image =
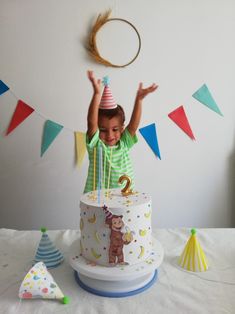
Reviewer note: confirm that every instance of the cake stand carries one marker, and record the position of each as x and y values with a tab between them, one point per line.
118	281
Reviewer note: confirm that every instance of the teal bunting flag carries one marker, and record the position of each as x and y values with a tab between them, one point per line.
204	96
51	130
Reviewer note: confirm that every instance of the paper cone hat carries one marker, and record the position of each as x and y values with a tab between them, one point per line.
108	214
107	100
193	257
38	283
47	252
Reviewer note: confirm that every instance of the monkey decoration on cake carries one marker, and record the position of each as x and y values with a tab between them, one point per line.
118	238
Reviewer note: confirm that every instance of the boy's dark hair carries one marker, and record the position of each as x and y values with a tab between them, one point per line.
110	113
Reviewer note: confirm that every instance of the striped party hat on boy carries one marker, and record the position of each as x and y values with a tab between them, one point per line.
47	252
193	257
107	100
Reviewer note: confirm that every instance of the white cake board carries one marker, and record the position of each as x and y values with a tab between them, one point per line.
118	281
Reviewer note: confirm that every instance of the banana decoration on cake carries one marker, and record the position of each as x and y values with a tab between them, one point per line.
141	251
81	247
97	237
128	235
142	233
92	220
81	224
147	215
96	255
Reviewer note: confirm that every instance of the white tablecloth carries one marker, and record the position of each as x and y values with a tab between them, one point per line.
176	291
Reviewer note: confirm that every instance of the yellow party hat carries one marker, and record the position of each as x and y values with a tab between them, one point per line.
193	257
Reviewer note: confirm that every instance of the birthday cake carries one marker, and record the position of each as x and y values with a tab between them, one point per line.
115	229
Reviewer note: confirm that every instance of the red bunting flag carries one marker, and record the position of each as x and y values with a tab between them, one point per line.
180	118
22	111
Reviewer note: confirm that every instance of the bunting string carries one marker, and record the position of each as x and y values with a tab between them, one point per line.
149	132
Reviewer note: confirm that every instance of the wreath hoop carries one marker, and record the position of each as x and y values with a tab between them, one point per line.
92	45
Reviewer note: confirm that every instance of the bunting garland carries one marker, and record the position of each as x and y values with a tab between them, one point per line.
149	132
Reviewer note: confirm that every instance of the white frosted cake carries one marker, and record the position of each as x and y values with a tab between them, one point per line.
115	229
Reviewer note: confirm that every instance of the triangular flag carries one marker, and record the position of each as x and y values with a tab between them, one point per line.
204	96
80	142
180	118
193	258
39	283
47	252
22	111
3	87
149	133
51	130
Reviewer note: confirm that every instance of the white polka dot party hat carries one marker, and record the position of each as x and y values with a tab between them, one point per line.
39	283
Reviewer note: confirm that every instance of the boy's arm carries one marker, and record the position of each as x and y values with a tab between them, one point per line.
137	110
92	116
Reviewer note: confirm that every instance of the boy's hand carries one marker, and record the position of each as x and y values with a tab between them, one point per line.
95	83
142	92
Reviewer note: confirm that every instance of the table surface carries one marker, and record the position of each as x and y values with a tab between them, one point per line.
176	290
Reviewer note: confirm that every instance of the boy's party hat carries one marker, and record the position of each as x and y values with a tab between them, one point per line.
193	257
107	100
38	283
47	252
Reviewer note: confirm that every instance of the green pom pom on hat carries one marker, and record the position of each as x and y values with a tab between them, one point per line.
193	231
65	300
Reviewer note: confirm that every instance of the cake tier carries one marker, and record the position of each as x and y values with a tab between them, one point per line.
115	229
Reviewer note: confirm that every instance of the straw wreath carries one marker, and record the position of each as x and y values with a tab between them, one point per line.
92	46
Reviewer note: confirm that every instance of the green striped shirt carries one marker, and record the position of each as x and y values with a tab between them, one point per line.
114	163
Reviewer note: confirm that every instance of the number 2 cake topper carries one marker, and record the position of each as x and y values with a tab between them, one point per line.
92	47
126	190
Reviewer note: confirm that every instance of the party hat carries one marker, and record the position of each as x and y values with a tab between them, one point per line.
193	257
108	214
47	252
39	283
107	100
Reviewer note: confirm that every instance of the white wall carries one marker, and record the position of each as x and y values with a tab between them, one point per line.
185	43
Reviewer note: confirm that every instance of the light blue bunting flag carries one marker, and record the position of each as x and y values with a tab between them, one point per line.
204	96
3	87
149	133
51	130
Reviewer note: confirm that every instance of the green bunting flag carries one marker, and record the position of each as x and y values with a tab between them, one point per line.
204	96
51	130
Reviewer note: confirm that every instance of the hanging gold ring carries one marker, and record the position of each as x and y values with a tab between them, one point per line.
92	45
